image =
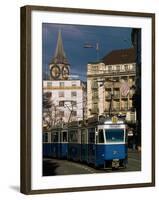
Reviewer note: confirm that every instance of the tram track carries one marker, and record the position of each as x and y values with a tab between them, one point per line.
65	167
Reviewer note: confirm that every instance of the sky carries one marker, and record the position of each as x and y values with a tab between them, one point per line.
74	39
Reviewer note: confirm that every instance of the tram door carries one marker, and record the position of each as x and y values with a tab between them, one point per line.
91	145
55	142
63	144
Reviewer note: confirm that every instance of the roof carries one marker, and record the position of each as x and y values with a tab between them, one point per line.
60	55
121	56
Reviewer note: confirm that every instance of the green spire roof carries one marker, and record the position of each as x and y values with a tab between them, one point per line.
59	56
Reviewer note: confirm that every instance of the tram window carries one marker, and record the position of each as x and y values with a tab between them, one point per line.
100	136
114	135
73	136
84	136
64	136
54	137
45	137
91	135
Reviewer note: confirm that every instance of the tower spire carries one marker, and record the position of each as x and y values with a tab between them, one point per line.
60	55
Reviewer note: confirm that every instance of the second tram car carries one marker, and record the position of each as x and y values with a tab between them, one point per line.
55	143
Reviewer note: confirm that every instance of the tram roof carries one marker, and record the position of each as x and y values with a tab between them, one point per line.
105	120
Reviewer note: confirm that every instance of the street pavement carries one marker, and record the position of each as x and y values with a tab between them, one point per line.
53	167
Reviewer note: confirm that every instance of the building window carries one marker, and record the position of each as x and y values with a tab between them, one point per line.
73	94
124	105
74	103
118	68
116	93
126	67
61	94
49	83
116	105
95	68
133	67
73	83
61	103
130	104
94	84
124	79
61	84
95	109
74	113
61	113
95	95
110	68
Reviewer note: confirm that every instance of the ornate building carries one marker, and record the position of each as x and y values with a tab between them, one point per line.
67	95
110	84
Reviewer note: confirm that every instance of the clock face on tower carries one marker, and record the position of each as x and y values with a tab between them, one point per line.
65	72
55	71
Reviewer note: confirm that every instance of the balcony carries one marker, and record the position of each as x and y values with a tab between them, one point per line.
94	110
115	72
112	85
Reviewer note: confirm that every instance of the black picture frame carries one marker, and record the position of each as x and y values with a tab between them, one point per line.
26	105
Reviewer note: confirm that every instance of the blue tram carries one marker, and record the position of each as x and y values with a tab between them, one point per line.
101	142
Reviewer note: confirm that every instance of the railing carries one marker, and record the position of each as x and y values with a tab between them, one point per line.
110	72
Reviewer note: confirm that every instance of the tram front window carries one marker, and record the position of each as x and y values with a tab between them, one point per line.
100	136
114	135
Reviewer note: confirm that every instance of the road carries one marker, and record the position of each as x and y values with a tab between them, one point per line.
63	167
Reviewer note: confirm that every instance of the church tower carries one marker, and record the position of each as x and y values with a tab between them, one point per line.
59	66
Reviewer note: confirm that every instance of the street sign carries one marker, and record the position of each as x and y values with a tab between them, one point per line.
125	89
